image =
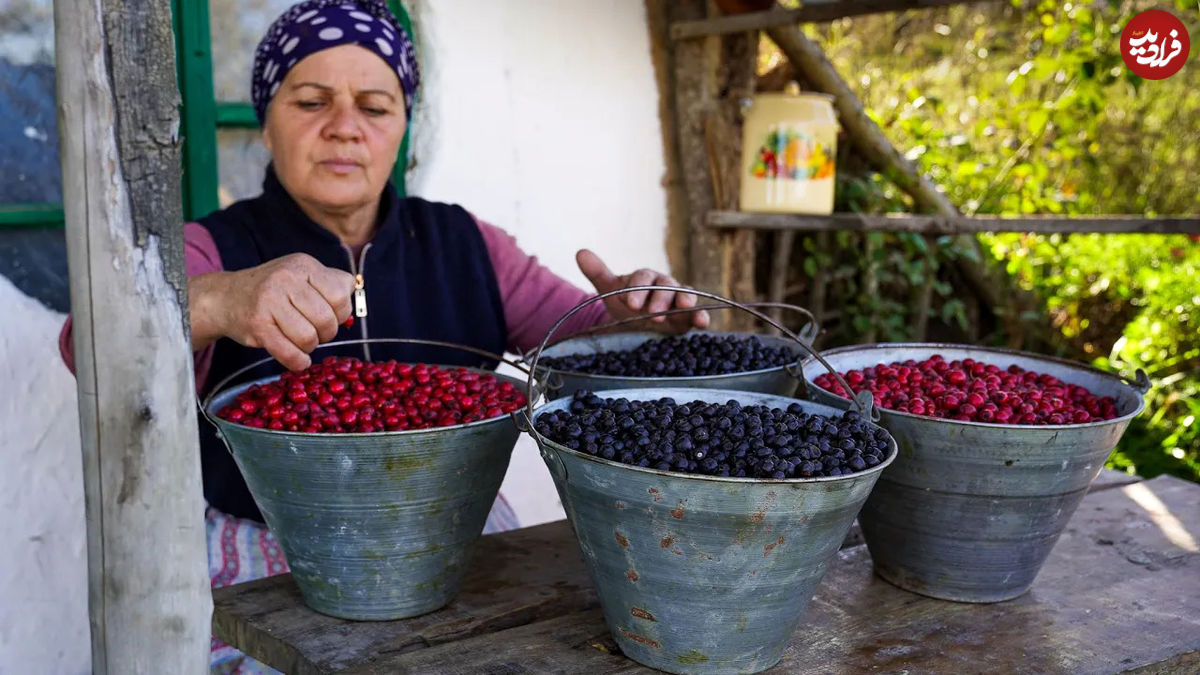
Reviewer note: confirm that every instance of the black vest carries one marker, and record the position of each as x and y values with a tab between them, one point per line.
426	275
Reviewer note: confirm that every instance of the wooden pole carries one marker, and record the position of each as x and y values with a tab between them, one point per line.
709	76
149	598
695	66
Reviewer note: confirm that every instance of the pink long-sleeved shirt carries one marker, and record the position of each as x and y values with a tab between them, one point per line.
533	297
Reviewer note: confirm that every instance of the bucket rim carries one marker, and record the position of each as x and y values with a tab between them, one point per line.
683	379
211	413
654	394
1120	419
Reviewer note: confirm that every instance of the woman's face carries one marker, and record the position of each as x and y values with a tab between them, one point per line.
334	128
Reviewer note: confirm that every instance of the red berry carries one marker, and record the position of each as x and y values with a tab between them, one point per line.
970	390
340	395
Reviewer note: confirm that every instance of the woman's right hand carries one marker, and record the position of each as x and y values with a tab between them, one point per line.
287	306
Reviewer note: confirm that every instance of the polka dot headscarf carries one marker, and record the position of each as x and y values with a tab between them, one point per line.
314	25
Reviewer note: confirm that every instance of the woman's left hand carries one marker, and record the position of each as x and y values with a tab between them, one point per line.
638	303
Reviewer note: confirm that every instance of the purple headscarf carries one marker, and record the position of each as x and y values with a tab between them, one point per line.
313	25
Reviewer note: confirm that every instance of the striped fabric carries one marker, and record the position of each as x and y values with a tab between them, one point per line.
243	550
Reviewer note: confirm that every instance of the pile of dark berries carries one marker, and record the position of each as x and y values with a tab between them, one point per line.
679	356
346	395
716	439
971	391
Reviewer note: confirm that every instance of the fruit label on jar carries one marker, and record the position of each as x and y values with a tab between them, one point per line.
790	153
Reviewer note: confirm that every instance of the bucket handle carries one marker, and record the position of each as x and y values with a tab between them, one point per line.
1140	382
863	400
531	391
808	333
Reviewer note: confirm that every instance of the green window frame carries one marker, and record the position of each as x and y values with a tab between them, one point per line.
201	115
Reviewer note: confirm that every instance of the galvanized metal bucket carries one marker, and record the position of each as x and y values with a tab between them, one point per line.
702	574
970	511
374	526
782	380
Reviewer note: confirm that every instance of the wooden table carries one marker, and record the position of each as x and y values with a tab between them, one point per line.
1119	593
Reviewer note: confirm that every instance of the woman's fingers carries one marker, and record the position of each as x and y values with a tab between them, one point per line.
637	299
296	328
596	271
284	350
317	311
661	301
336	287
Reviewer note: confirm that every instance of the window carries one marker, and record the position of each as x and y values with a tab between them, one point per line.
31	188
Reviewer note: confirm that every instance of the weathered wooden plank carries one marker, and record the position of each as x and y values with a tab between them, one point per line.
574	643
1121	591
516	578
928	224
149	599
813	11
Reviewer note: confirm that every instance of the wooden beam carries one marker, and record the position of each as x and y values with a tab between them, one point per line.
148	586
663	58
696	87
935	225
813	11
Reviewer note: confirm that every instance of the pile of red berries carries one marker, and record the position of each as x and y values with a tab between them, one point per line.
347	395
971	391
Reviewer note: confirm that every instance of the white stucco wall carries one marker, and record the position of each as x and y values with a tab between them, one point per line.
43	552
540	117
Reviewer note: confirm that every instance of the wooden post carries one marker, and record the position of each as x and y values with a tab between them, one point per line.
695	64
662	55
149	598
705	88
738	78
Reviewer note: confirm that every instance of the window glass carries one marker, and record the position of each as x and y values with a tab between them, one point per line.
241	164
236	27
29	162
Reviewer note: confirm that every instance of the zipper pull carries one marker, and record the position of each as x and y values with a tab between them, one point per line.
360	296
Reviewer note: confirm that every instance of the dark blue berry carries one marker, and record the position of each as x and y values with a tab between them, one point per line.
717	439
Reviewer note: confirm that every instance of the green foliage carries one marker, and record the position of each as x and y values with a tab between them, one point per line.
1023	109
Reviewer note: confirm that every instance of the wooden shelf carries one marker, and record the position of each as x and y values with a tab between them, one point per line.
813	11
907	222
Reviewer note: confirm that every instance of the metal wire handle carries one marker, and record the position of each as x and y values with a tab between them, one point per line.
1141	382
809	332
865	403
530	393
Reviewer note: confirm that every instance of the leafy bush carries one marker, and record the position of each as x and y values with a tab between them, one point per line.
1028	108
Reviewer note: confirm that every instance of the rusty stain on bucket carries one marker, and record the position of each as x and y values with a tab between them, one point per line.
640	638
677	512
771	547
642	614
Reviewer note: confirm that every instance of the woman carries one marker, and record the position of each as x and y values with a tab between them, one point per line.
279	274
